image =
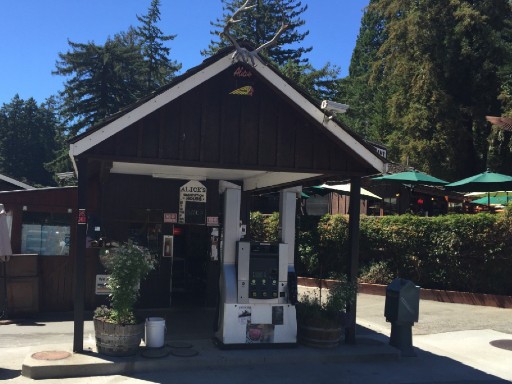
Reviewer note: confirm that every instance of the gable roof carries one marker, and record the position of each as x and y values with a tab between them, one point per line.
15	183
200	74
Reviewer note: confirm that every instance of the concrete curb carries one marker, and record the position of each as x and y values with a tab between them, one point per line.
93	364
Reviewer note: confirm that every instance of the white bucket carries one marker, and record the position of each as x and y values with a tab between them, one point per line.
155	332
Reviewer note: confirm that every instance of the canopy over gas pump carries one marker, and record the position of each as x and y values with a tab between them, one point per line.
258	285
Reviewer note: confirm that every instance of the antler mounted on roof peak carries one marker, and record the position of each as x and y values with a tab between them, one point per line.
242	53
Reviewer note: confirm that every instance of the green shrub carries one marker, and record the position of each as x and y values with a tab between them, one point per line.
376	273
257	226
264	228
127	264
333	245
453	252
328	310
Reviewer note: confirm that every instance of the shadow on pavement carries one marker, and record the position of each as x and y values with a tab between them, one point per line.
6	374
196	326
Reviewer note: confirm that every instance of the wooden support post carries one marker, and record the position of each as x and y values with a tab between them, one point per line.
79	270
353	260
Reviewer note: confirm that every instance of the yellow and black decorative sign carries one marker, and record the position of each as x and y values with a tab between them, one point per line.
247	90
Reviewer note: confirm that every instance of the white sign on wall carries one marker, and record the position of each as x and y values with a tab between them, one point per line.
101	285
192	208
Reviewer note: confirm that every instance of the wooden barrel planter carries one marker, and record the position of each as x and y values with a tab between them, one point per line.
319	337
118	340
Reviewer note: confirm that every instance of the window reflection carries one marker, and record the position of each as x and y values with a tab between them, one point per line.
46	234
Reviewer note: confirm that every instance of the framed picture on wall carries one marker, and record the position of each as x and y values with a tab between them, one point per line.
167	246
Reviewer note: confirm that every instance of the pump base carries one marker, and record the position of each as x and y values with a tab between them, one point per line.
219	344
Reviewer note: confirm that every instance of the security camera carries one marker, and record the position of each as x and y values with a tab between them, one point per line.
332	106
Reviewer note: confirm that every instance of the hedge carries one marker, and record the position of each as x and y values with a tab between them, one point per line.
470	253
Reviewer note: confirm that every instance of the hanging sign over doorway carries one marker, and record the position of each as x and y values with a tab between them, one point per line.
192	203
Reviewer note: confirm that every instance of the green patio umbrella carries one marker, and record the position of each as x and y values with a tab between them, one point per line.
411	177
507	195
492	200
315	190
483	182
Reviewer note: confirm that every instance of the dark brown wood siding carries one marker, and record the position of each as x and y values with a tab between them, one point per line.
222	124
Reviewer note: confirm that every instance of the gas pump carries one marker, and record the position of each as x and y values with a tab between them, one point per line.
258	285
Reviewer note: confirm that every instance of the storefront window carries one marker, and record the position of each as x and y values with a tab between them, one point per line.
47	234
390	205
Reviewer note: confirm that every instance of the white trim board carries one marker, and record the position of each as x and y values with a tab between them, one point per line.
15	182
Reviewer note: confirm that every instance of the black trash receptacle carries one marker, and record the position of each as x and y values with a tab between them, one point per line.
402	311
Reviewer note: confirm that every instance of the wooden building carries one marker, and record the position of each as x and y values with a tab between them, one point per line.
39	276
152	173
224	120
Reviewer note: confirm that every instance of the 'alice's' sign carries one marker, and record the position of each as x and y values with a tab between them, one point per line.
192	209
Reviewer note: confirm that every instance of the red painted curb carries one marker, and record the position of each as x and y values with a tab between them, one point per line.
488	300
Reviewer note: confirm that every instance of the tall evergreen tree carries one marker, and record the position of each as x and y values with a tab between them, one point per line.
28	135
101	80
436	75
500	141
320	83
259	25
158	67
60	162
367	114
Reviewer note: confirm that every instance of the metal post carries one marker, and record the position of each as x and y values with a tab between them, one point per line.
353	261
79	270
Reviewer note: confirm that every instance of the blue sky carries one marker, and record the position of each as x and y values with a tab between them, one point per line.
33	32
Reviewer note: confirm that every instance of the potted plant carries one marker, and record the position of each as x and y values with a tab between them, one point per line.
118	330
321	321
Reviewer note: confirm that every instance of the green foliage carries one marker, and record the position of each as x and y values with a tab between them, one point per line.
424	75
332	247
329	310
259	25
264	228
307	261
102	79
361	89
320	83
28	140
453	252
376	273
158	69
127	265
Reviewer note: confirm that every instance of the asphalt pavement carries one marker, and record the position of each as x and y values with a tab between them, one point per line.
453	343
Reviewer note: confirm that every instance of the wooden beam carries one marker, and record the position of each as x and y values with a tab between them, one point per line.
79	265
353	261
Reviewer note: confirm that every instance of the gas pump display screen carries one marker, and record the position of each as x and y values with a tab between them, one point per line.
263	272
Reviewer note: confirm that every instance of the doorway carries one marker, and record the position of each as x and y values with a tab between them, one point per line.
190	265
184	275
